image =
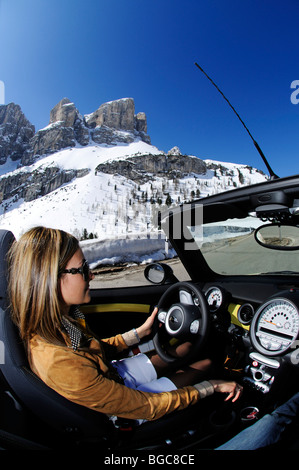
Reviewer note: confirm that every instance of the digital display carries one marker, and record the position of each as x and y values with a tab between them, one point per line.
275	333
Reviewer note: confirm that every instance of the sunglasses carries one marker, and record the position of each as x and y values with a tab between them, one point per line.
84	270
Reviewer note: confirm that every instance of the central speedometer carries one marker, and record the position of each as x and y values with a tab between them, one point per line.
275	326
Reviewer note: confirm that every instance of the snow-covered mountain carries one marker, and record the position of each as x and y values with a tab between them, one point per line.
110	205
109	191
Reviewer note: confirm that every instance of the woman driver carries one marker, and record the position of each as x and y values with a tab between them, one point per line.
48	279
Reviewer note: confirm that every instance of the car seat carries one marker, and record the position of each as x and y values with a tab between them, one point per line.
75	422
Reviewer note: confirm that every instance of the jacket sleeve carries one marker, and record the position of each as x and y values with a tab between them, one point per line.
122	341
77	378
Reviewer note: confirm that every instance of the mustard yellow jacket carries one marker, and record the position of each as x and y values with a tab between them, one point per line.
87	378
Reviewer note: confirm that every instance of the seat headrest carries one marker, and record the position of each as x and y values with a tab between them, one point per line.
6	240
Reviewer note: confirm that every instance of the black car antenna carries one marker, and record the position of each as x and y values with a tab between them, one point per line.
271	172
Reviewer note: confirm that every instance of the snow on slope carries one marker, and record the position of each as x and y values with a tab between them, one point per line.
112	207
88	202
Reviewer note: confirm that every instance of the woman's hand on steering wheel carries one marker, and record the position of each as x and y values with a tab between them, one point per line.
146	328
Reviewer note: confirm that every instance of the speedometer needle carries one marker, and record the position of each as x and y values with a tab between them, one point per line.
278	325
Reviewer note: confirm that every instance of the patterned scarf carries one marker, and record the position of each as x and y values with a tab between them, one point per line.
75	334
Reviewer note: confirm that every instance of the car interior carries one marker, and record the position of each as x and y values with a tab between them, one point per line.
240	307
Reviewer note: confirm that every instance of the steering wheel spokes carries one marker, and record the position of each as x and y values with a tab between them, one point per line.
184	320
180	320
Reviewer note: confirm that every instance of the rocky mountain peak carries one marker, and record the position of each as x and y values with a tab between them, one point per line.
116	121
117	114
65	111
174	151
15	132
66	129
111	123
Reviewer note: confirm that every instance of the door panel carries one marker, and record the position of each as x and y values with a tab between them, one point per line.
113	311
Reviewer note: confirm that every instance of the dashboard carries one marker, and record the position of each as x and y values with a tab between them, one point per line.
268	328
273	325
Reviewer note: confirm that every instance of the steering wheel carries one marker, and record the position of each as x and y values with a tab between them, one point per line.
185	320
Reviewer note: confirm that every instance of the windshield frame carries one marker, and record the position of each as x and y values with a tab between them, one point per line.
230	248
237	203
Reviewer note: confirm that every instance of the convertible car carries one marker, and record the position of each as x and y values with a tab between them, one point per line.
232	290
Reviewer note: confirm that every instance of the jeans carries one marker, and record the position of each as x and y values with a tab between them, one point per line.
267	430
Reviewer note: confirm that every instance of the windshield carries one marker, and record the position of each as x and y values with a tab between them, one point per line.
230	248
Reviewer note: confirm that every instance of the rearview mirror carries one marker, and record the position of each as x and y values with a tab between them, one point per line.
278	236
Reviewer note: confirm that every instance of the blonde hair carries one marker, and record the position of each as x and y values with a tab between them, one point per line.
35	263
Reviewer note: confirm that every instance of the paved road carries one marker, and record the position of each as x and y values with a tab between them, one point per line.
241	255
131	276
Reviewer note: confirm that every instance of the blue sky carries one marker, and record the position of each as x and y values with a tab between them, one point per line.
94	51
